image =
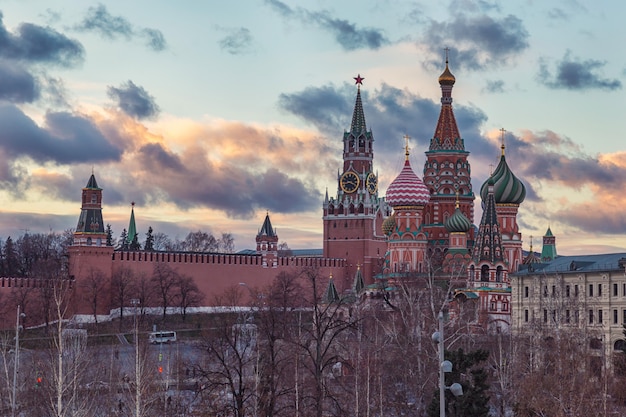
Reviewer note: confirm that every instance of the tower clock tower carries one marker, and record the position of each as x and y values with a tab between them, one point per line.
353	219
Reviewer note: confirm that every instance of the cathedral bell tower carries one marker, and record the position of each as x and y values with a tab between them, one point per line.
446	174
353	219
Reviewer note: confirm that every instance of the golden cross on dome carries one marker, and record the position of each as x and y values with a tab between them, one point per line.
457	198
502	131
447	50
531	243
406	147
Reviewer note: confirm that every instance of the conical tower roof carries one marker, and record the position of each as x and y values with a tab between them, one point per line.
359	283
132	227
447	136
331	295
267	229
358	116
488	243
92	184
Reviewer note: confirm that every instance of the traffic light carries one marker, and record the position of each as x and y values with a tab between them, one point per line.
160	369
38	381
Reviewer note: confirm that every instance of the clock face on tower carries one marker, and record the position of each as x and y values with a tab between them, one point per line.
371	183
349	182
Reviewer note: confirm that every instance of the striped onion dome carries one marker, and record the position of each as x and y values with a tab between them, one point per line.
407	189
458	222
389	225
508	189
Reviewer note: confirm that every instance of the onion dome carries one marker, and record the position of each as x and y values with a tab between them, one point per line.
458	222
446	78
407	189
508	189
389	225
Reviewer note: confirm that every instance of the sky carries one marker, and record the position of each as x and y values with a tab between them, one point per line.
208	114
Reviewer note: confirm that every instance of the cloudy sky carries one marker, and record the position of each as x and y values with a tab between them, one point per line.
208	114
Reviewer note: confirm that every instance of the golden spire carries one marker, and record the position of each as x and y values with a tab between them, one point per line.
531	243
502	131
457	199
406	147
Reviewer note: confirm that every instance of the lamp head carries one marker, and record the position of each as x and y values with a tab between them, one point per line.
446	366
436	337
456	389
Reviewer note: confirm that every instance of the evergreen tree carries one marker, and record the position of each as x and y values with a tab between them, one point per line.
122	243
109	231
11	262
149	243
134	244
467	371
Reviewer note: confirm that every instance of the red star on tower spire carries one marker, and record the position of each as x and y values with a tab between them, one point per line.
359	79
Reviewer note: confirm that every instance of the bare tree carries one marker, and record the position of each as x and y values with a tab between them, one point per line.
226	244
122	289
189	295
322	344
164	279
227	370
95	287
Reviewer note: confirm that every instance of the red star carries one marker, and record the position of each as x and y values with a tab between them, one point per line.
359	79
132	204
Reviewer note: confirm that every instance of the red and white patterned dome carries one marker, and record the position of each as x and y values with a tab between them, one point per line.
407	189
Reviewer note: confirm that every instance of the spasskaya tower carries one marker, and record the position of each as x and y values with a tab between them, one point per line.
353	219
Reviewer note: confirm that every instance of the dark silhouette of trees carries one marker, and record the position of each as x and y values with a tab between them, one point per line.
149	243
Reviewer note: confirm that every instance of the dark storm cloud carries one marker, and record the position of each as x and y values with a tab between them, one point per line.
326	107
154	39
135	101
346	33
156	158
99	20
548	156
494	86
547	159
480	41
17	85
572	73
36	44
237	42
65	138
192	180
389	112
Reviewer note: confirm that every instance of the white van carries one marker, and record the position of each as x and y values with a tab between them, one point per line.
162	337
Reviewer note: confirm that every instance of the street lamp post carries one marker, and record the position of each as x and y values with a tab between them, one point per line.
135	302
16	363
444	366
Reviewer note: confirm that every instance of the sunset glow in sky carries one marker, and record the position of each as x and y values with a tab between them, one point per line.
207	114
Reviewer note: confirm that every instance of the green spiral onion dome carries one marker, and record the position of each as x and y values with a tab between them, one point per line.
507	189
458	222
